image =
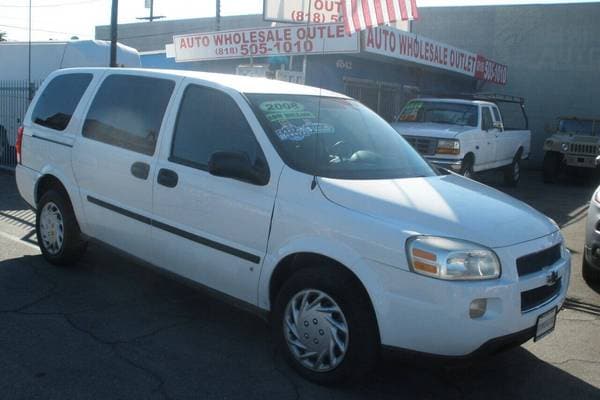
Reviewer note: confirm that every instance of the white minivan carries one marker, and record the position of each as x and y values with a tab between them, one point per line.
298	201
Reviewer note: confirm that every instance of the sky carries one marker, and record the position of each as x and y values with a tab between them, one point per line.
62	19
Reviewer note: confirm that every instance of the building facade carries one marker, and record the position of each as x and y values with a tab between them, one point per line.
553	53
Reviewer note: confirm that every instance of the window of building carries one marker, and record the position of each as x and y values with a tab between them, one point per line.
128	112
57	103
210	121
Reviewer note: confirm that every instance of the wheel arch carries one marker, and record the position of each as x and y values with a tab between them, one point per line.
52	178
296	261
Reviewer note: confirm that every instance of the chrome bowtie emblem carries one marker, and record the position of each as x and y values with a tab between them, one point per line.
552	278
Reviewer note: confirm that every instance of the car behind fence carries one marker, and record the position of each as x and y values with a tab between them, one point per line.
14	100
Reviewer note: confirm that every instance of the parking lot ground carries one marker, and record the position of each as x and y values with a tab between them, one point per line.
109	328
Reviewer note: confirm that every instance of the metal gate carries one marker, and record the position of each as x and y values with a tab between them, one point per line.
386	99
14	100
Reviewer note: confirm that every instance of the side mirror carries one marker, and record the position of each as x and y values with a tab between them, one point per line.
499	125
237	165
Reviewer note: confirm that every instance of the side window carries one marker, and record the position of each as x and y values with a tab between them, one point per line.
210	121
496	114
57	103
128	111
486	119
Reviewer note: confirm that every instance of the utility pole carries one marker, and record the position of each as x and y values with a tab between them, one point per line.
218	15
29	83
113	33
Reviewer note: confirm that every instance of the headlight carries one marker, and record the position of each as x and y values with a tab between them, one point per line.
564	146
451	259
448	147
597	196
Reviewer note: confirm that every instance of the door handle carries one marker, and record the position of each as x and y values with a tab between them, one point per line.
140	170
168	178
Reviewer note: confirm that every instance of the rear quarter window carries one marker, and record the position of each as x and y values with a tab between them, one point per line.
127	112
55	106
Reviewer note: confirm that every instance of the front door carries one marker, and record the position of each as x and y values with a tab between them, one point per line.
114	159
486	156
211	229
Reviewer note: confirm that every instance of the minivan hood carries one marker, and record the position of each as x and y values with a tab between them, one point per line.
430	129
449	206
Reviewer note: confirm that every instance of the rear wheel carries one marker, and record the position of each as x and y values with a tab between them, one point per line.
324	325
512	173
551	166
58	233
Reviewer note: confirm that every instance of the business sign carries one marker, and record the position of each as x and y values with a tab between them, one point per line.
314	11
265	42
491	71
418	49
410	47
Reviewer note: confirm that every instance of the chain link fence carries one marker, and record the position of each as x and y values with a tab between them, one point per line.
14	100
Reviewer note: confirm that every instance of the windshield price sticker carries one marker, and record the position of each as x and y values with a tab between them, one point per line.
265	42
277	106
295	133
411	111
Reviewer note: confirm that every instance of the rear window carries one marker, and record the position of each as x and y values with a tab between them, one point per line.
128	111
57	103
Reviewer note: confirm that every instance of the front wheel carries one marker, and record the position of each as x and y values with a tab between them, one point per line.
324	326
551	166
590	274
58	233
467	168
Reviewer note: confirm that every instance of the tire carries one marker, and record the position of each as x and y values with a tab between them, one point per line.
512	173
55	219
341	292
467	168
589	273
4	147
551	166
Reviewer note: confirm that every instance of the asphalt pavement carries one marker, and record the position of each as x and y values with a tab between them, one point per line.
108	328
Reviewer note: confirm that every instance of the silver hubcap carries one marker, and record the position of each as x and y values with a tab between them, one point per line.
316	330
52	229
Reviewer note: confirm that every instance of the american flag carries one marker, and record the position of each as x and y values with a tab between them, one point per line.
364	14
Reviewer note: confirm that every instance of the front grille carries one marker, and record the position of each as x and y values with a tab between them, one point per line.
580	148
533	298
425	146
535	262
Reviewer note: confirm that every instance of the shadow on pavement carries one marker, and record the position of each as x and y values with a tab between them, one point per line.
109	328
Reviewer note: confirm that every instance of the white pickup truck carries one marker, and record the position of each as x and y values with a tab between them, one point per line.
467	136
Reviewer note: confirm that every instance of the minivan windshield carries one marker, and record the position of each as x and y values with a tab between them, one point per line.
337	138
440	112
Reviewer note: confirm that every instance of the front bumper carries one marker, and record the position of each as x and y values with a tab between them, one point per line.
431	316
451	164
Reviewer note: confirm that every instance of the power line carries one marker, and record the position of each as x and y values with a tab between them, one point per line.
42	30
73	3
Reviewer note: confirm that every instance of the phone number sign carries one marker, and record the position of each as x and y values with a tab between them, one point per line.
491	71
265	42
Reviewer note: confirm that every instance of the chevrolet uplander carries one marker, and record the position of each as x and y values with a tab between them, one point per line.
298	201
